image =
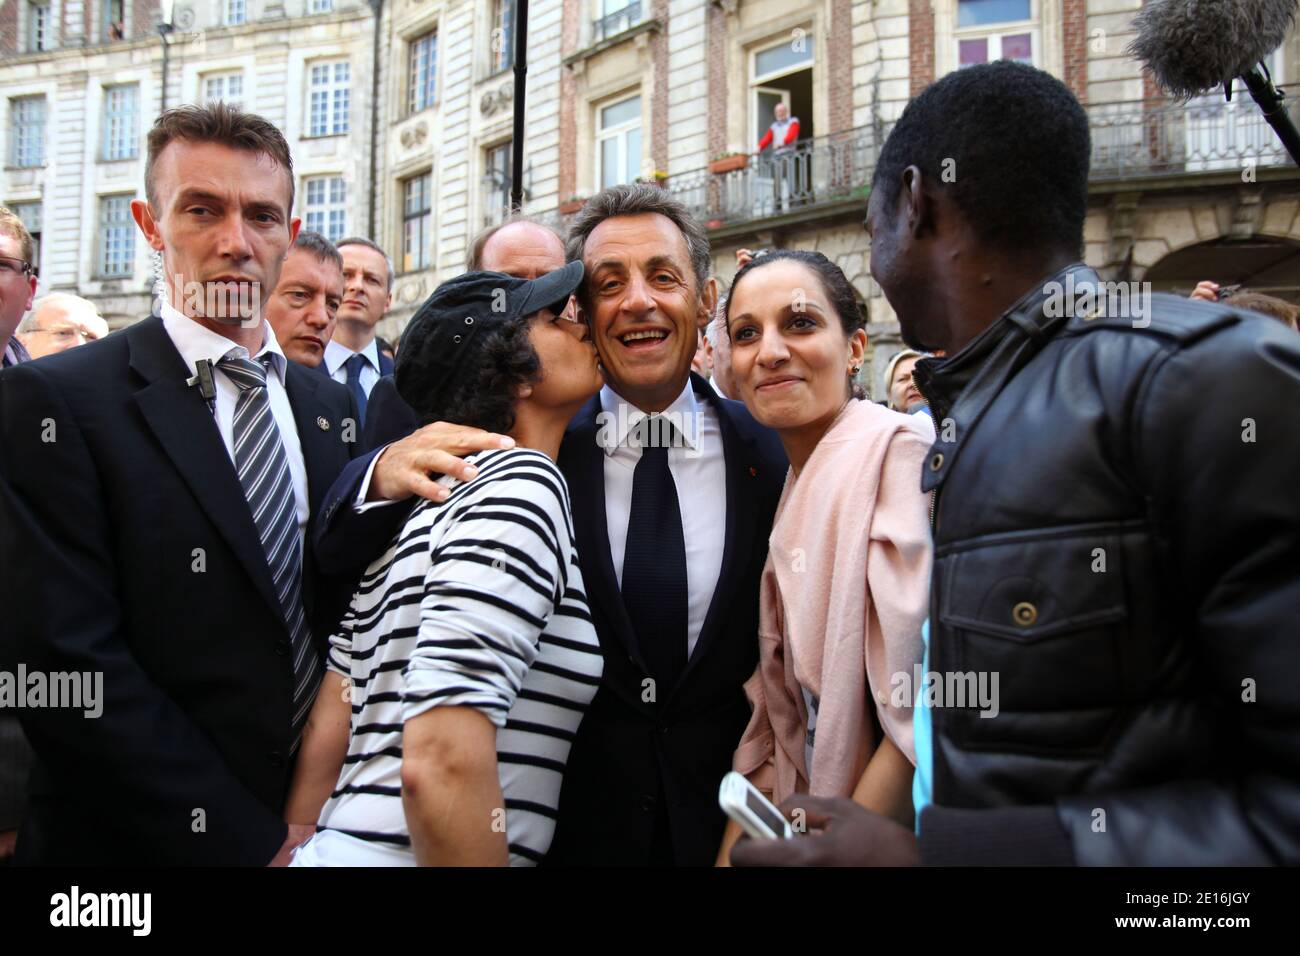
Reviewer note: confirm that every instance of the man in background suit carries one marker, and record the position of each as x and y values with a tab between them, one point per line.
17	290
352	356
155	488
303	308
671	536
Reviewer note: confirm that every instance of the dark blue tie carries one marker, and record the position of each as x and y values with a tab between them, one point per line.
354	365
654	563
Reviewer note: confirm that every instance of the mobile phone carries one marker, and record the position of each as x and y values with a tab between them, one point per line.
756	815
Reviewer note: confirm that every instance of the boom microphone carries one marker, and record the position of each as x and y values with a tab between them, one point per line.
1194	46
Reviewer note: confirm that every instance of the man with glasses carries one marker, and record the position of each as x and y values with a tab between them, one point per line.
58	322
17	284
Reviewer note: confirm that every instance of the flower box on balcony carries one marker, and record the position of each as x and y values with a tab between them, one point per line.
727	164
570	206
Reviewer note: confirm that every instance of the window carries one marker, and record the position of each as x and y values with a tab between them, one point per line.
224	86
616	16
990	30
27	131
113	26
30	214
417	222
424	70
783	74
503	35
116	237
39	26
980	13
234	12
618	142
120	118
496	182
327	212
321	6
329	98
783	58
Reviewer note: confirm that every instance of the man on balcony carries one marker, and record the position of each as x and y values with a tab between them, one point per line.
776	152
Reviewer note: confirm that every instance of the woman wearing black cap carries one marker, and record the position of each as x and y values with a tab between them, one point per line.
467	658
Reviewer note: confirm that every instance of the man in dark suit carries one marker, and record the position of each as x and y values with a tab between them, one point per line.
155	488
352	356
671	521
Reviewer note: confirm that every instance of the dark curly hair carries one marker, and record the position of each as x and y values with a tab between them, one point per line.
836	285
1016	142
483	393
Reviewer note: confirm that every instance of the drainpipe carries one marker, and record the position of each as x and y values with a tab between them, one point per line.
378	7
521	81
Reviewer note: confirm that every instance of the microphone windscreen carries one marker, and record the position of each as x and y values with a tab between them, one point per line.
1194	46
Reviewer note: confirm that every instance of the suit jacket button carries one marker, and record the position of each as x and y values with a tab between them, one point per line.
275	758
282	648
648	803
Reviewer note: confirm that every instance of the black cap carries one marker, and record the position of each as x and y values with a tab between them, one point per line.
440	339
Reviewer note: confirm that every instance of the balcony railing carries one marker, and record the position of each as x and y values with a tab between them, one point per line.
811	172
615	23
1129	141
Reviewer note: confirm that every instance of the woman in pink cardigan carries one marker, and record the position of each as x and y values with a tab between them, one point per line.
846	586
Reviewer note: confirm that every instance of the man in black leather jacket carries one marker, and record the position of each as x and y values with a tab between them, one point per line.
1116	522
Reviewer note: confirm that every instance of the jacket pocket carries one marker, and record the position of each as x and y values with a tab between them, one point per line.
1040	621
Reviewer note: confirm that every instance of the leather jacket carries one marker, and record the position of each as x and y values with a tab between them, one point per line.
1117	539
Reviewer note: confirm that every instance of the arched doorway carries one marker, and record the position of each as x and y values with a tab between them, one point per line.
1261	263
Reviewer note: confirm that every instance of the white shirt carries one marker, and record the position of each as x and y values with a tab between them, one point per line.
336	355
699	471
196	342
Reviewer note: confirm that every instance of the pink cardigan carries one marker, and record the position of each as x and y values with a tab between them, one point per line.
843	596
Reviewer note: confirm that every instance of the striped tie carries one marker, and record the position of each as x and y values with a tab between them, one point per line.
264	474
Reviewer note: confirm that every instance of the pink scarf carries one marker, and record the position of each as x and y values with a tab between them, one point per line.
843	596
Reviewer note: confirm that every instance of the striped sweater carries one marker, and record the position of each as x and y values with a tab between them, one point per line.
478	602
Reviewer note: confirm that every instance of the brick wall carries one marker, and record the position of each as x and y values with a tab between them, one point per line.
1074	16
839	53
920	45
568	174
716	45
9	27
144	13
659	101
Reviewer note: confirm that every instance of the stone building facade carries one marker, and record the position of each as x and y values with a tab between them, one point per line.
667	91
75	107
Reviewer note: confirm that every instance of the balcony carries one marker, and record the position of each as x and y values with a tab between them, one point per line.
1174	145
615	23
1159	139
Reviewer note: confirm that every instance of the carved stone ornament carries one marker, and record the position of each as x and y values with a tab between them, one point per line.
494	101
415	135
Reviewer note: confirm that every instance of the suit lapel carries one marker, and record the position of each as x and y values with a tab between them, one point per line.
583	461
742	497
186	429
